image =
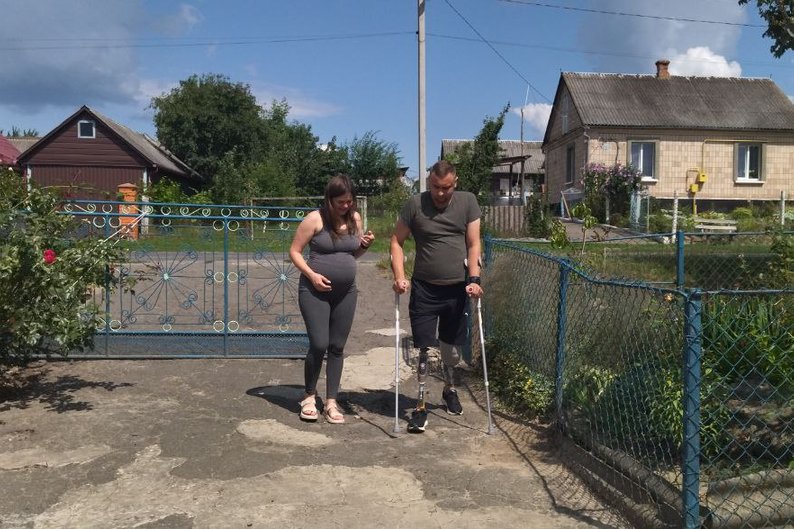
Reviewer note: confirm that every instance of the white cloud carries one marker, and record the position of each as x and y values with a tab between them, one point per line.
537	115
78	53
179	23
301	105
633	44
701	61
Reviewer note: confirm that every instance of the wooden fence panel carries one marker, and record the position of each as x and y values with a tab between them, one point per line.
505	219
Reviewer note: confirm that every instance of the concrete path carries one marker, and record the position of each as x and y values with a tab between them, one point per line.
218	444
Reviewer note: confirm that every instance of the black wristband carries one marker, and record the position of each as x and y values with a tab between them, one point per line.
474	279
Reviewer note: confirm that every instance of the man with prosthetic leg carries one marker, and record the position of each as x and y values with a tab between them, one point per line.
445	225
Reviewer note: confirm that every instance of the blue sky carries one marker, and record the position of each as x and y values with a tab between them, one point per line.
347	67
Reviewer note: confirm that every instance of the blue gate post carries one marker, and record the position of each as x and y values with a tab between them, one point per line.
679	259
107	290
562	320
225	285
693	333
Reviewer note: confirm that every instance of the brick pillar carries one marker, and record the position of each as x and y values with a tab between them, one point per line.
129	193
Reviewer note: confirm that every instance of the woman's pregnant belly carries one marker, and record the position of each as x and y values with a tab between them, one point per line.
339	268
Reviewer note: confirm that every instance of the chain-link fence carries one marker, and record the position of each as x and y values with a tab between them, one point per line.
679	401
686	260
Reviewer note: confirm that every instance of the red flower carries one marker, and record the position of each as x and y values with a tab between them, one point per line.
49	256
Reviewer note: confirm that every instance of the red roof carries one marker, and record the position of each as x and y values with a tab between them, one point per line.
8	153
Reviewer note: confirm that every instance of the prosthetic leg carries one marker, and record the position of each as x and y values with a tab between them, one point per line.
418	421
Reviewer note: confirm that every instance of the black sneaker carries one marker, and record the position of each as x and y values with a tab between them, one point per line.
452	401
418	421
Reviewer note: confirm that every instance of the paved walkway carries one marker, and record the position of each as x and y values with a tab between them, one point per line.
218	444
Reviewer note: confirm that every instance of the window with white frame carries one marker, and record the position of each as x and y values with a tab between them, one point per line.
643	158
86	129
748	162
570	163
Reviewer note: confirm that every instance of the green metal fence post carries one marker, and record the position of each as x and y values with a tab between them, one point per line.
679	259
559	361
693	335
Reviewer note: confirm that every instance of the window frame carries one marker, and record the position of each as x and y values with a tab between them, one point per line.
744	179
655	166
570	163
80	128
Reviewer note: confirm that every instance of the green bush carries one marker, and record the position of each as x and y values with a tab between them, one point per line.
537	217
742	213
44	276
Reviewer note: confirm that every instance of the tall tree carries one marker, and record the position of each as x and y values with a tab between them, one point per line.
373	164
206	117
16	132
475	161
779	17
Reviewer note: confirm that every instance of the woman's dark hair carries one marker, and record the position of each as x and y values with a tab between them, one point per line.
336	187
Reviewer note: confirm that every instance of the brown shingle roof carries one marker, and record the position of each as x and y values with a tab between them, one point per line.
148	147
679	102
24	143
510	149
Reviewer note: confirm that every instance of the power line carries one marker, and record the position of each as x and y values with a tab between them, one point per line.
502	57
624	14
590	51
211	42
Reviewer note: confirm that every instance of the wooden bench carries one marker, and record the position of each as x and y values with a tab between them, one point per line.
715	225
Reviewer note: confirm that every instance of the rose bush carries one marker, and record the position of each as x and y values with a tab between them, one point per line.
45	275
615	182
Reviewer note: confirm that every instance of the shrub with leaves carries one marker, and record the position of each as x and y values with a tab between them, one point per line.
614	182
44	276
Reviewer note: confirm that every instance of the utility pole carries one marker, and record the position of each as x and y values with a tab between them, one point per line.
422	118
521	187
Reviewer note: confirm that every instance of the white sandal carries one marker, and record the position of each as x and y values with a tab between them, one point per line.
309	409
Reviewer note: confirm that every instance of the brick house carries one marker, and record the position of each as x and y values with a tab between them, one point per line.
719	139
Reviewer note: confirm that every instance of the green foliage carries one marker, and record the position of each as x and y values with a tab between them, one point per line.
780	24
781	268
646	402
44	277
16	132
518	387
582	211
206	117
615	182
559	235
750	337
537	217
475	161
742	213
166	190
373	164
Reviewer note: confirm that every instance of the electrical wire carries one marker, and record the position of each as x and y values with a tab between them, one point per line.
210	42
498	54
624	14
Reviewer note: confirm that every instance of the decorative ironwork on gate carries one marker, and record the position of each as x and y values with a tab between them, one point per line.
198	280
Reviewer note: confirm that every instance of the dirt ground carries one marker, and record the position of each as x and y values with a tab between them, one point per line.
217	443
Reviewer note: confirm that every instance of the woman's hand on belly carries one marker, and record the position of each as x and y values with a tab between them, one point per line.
320	282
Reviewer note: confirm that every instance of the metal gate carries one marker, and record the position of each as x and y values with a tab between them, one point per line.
199	281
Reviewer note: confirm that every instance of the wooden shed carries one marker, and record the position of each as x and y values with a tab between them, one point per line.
89	155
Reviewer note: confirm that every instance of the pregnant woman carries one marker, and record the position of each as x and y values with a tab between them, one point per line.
327	289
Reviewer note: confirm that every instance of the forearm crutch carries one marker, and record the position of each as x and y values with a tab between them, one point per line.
396	363
484	367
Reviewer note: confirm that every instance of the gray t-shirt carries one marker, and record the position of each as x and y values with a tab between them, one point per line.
440	235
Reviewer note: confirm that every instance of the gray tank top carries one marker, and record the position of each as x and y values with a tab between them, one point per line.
333	257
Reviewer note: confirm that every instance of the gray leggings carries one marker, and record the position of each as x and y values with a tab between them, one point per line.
328	317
